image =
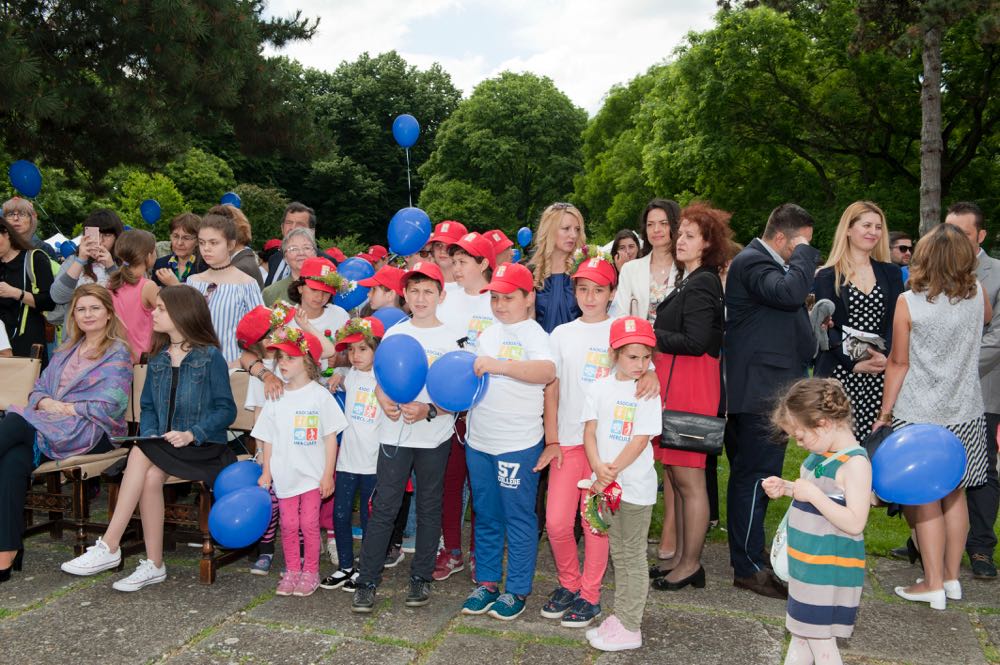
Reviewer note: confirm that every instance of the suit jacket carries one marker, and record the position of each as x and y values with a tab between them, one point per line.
689	322
988	273
889	278
769	340
272	266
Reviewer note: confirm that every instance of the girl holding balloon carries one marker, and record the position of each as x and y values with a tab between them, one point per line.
187	405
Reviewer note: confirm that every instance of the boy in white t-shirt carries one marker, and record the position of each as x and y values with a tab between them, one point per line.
617	430
412	436
446	233
504	441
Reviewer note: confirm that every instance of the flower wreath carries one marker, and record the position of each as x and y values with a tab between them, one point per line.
285	334
356	326
588	252
598	505
281	311
338	282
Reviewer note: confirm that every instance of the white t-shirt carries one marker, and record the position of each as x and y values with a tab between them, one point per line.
255	388
436	341
620	416
295	425
4	340
332	318
359	444
467	315
509	417
581	354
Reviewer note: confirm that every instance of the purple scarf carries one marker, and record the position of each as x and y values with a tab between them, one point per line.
100	395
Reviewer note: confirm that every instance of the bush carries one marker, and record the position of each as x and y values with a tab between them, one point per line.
264	207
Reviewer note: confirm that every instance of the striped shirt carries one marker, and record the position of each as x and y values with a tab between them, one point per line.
228	303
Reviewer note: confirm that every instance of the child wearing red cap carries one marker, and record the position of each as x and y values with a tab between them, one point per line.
504	441
313	294
358	455
298	433
503	246
385	287
617	430
445	235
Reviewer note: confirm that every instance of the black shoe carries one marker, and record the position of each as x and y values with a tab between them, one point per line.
338	579
697	580
909	552
655	572
364	599
19	561
420	592
982	567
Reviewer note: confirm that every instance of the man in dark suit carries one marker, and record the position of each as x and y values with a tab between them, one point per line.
768	344
297	216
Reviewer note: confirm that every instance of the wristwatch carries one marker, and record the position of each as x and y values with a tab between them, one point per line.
432	412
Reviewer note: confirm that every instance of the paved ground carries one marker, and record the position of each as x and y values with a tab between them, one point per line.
48	617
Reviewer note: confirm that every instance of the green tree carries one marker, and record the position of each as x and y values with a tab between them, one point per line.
517	137
264	208
474	206
202	178
135	188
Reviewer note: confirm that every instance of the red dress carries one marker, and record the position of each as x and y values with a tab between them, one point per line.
695	387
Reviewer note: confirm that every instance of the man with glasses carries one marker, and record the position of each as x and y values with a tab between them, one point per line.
298	245
900	248
20	214
297	216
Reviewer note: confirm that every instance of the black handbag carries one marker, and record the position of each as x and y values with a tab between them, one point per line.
693	432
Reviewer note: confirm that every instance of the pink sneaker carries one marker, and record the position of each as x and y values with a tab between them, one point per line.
607	625
288	582
618	638
307	584
447	565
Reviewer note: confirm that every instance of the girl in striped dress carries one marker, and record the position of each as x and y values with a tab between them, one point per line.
826	523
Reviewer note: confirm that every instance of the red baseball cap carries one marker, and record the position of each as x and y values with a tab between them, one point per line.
509	277
255	325
631	330
355	333
273	243
367	257
448	232
390	277
335	254
597	270
378	251
292	340
499	239
318	266
425	268
478	246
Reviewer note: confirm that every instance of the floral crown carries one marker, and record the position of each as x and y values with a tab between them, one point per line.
336	281
284	335
356	326
280	312
586	253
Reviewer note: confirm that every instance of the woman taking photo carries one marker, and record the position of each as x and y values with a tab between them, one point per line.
560	233
77	403
187	405
25	281
933	377
863	287
689	336
95	259
182	262
297	246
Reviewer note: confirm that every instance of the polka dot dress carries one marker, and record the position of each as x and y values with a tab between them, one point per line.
864	313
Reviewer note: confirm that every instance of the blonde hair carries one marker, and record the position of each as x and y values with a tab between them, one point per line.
545	240
810	401
114	331
840	255
131	248
944	262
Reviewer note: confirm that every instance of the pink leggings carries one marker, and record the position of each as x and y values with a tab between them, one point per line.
562	510
300	512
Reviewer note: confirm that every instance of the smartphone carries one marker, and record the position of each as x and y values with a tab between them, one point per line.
92	233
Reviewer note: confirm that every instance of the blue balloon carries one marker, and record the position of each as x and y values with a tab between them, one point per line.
354	269
390	316
401	368
150	211
406	130
231	199
516	256
918	464
452	383
67	249
240	518
409	231
524	236
236	476
25	177
127	227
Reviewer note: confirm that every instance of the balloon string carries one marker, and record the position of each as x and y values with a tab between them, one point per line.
409	191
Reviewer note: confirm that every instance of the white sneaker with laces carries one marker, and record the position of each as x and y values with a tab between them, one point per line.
145	574
96	559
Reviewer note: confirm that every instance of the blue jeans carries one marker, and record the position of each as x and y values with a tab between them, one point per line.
503	497
348	485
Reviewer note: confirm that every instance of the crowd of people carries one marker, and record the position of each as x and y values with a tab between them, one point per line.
585	349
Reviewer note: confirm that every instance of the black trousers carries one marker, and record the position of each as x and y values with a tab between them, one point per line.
17	438
984	500
754	452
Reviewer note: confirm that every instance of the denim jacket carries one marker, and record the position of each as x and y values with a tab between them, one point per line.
204	402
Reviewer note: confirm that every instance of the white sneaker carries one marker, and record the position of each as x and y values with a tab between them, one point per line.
331	548
145	574
96	559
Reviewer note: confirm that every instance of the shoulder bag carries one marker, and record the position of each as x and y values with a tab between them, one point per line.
683	430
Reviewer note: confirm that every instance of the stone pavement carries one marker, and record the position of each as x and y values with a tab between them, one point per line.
49	617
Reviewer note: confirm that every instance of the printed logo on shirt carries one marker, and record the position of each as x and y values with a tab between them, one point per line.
365	406
597	365
511	349
432	355
306	430
477	325
507	475
624	421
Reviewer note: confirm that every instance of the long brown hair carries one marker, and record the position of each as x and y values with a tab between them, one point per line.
132	248
944	262
17	241
188	309
114	331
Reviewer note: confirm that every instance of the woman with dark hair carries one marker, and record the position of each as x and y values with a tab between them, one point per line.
689	336
76	404
187	405
625	247
94	260
182	262
25	281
